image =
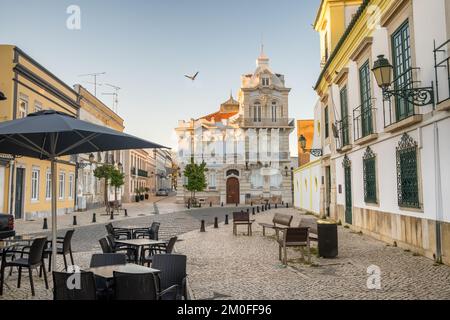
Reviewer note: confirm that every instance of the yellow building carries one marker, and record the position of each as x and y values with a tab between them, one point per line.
25	182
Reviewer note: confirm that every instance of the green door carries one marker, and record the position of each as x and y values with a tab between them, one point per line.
348	195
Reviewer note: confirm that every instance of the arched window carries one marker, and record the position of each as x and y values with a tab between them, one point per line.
257	112
233	172
407	178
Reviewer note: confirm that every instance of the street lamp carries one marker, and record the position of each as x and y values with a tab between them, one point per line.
83	165
382	70
314	152
91	158
2	96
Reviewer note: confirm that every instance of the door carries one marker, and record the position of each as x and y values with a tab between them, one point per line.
232	191
328	189
348	195
20	190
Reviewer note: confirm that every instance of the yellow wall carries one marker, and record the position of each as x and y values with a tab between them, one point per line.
60	97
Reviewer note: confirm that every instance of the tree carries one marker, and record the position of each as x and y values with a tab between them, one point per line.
195	174
104	172
117	180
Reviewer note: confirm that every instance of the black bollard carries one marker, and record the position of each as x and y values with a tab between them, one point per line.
262	208
200	205
216	223
45	226
74	220
94	218
112	215
287	205
221	204
257	209
236	204
251	203
202	227
282	202
189	206
276	206
226	219
253	210
126	213
248	210
210	204
270	208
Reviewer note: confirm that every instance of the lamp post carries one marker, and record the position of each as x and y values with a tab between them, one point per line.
382	70
314	152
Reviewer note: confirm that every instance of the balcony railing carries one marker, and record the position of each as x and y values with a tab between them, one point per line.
364	121
267	122
442	71
343	132
400	107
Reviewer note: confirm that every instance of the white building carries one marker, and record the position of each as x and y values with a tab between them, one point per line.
245	144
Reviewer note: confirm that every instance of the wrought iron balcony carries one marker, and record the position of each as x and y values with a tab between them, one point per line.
343	133
142	173
442	71
364	120
268	122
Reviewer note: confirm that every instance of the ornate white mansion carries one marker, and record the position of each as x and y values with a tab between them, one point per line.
245	144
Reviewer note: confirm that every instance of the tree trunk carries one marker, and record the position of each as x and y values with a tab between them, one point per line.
106	192
115	194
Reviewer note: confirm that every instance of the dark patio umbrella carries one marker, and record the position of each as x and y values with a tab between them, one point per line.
49	134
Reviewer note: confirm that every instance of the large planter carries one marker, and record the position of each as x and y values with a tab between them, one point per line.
137	198
141	197
146	197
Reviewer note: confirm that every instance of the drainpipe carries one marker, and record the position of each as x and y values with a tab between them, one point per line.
11	187
438	187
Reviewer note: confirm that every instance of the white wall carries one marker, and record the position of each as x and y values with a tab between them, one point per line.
307	183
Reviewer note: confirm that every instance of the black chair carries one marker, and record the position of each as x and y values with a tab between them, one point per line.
132	254
173	272
138	286
104	244
86	291
107	259
65	249
34	259
118	233
151	233
158	249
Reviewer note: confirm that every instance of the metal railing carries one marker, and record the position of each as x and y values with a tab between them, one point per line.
441	62
343	132
267	122
364	120
142	173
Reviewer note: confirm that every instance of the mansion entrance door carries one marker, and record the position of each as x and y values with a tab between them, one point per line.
233	193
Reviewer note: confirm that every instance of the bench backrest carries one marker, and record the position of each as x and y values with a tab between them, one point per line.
295	235
282	219
241	216
309	223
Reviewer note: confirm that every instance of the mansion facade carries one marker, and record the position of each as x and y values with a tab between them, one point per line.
245	144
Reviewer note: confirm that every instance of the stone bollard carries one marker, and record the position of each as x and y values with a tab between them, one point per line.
226	219
253	210
257	209
94	218
74	220
126	212
45	226
202	227
216	223
112	215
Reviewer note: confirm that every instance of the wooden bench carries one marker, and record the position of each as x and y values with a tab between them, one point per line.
242	218
311	224
293	237
278	220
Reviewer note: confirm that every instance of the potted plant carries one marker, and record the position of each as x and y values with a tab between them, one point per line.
141	193
147	190
137	196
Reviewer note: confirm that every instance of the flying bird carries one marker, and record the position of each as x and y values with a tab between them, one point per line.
192	77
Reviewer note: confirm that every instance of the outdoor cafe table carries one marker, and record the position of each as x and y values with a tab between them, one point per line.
107	272
132	229
140	243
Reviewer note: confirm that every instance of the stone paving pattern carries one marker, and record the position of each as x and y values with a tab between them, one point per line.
241	267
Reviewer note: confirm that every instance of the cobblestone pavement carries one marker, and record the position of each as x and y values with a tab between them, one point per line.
85	243
223	266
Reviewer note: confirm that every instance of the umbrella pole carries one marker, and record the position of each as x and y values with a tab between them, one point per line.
54	204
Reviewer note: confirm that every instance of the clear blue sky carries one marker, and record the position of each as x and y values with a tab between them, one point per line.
146	46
